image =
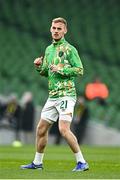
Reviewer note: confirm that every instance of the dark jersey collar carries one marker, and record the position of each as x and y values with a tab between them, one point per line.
61	41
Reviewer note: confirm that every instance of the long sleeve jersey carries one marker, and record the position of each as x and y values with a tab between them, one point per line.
65	56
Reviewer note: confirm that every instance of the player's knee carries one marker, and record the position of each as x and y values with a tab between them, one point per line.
63	131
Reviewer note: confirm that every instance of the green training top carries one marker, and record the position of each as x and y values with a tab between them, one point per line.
65	56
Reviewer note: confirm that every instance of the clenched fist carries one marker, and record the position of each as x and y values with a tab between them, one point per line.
38	61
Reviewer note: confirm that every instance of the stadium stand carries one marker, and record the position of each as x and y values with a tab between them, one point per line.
93	28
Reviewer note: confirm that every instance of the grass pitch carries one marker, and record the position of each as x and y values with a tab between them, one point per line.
104	163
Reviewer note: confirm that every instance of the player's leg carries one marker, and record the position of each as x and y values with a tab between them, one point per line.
64	127
66	108
42	135
41	141
49	114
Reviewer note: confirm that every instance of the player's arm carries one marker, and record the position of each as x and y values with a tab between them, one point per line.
76	67
41	66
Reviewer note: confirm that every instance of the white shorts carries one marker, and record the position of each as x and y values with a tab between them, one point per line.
58	108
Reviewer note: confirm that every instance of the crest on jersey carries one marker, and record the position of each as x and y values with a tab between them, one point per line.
60	54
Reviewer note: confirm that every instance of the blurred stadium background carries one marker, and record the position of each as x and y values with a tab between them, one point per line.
93	29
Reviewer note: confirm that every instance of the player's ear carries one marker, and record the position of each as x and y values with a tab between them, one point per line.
51	29
65	30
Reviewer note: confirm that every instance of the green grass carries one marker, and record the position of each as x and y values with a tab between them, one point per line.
59	161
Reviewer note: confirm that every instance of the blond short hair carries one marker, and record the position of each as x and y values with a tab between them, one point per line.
60	19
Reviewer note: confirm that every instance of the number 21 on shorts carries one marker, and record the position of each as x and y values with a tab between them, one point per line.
63	104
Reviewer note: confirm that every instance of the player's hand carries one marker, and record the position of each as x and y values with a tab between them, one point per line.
54	68
38	61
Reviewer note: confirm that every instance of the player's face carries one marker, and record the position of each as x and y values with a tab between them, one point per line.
58	30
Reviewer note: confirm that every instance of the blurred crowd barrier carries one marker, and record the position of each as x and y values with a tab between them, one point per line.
17	116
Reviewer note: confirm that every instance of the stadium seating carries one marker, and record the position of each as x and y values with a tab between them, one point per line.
94	30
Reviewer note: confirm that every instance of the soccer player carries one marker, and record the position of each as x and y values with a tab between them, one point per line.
61	64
